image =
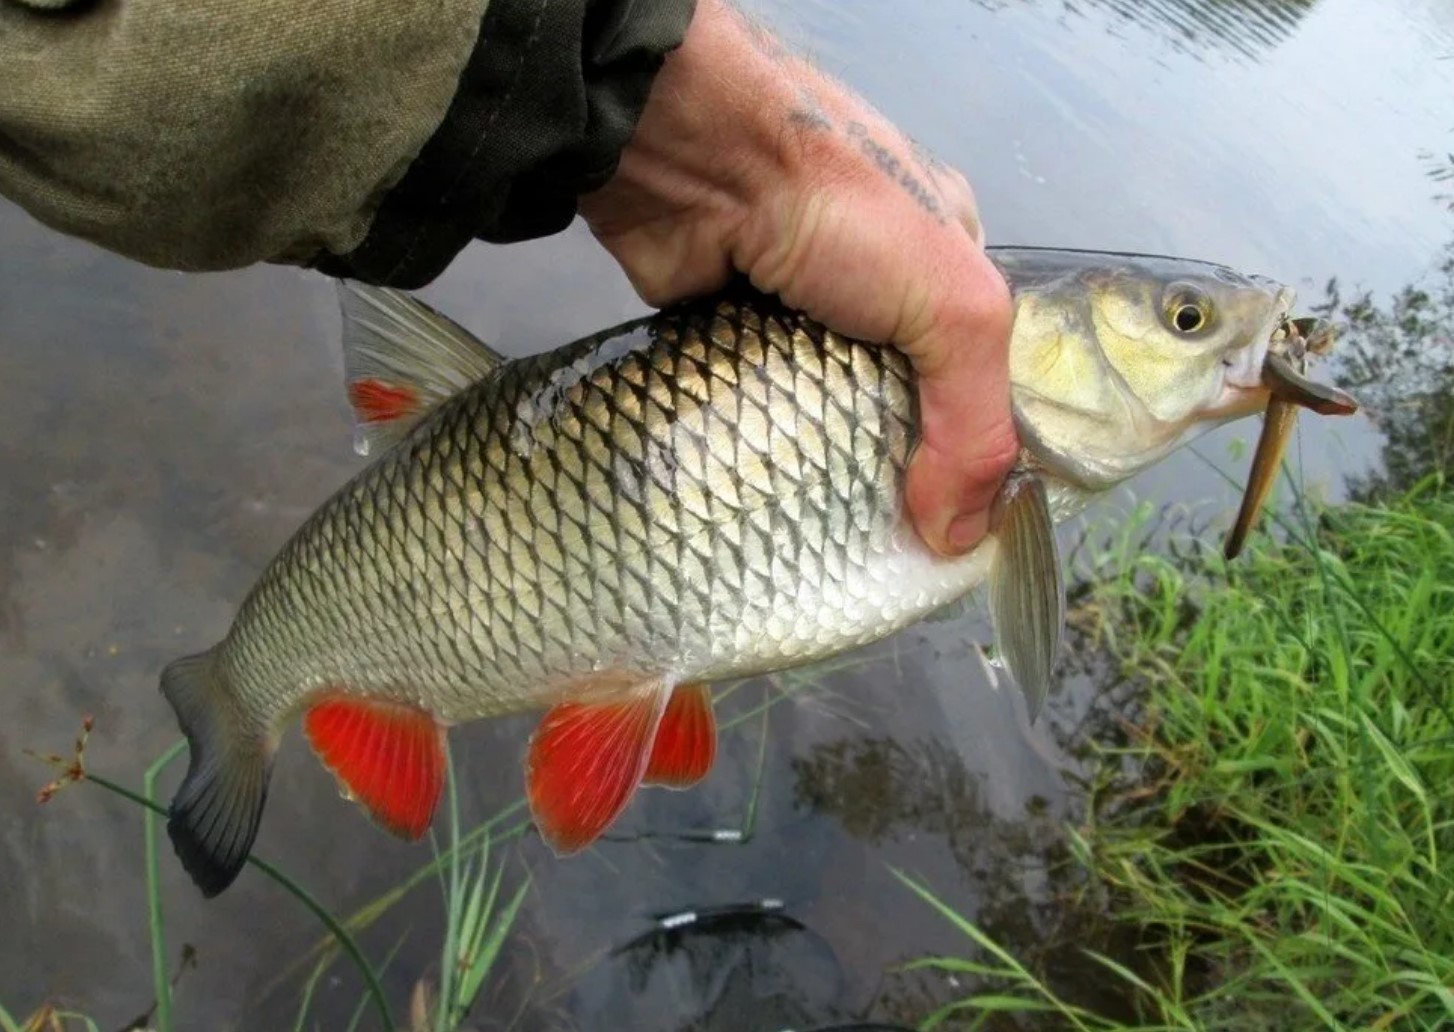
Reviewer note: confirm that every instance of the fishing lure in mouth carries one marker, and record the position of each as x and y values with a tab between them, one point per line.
1284	373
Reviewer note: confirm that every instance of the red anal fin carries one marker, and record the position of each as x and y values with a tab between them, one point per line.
686	739
390	757
377	401
586	759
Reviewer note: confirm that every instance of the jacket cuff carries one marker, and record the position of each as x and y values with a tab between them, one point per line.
549	98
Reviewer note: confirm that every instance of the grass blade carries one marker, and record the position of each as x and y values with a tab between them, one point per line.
363	1000
486	952
448	961
308	988
160	981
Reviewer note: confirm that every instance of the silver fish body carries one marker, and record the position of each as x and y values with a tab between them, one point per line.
706	494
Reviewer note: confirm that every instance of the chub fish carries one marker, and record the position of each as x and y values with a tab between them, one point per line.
604	530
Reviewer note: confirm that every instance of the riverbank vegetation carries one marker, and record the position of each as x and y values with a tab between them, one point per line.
1271	825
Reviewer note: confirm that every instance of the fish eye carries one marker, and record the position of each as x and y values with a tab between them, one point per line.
1188	309
1188	318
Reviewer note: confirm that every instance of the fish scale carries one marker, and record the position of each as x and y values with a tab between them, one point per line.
671	498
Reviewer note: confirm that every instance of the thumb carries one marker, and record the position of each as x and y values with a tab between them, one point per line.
968	441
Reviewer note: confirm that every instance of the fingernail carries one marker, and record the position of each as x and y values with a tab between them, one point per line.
962	533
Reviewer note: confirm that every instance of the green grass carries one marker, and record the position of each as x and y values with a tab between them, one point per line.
1274	824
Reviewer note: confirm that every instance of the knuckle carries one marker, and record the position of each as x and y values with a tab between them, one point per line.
958	187
986	301
975	303
1001	450
784	239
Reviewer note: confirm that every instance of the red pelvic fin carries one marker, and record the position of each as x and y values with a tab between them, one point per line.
390	757
586	759
686	739
377	401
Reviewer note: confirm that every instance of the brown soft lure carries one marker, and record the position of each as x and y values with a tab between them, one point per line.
1290	390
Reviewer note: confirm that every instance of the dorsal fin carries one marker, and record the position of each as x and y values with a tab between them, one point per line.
401	359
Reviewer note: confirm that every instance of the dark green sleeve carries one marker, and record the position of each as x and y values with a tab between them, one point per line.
544	107
367	138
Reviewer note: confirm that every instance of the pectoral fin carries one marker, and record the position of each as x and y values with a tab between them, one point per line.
1026	588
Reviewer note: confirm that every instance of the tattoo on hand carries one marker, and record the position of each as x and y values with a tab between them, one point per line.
892	167
809	114
926	159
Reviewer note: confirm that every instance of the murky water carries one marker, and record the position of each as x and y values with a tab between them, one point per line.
161	435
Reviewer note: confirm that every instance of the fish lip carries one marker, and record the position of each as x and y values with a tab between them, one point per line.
1244	388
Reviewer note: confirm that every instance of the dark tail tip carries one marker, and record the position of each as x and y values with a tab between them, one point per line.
211	869
215	815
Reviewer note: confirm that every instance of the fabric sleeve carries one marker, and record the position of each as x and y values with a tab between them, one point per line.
367	138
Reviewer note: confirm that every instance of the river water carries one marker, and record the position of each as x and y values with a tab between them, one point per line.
161	435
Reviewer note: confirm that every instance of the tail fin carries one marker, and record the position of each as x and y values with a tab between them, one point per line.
215	814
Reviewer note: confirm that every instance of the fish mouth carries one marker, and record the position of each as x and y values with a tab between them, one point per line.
1244	370
1283	381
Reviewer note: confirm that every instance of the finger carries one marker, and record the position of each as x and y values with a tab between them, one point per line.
953	189
968	440
874	256
960	197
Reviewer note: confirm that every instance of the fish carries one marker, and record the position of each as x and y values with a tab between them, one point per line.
603	531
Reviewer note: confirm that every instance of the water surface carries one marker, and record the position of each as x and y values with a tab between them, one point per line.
161	435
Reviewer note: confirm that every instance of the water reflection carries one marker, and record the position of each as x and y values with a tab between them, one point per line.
1021	868
752	965
1247	26
879	787
1398	359
1441	170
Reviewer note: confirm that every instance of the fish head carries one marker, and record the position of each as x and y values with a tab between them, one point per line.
1117	360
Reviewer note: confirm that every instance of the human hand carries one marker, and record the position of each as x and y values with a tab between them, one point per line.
748	160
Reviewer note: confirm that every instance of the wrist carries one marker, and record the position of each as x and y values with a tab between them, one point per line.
711	140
